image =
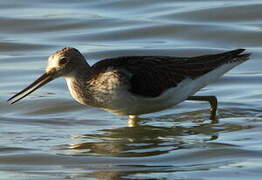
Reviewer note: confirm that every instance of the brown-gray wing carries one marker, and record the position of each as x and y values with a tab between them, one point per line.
153	79
152	75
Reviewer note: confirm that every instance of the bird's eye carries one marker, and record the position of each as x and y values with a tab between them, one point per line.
63	61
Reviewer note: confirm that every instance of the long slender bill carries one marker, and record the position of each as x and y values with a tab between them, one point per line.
42	80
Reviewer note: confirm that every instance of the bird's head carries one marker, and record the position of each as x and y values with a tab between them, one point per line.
63	62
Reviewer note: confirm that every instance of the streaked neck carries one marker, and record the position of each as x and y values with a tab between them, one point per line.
76	82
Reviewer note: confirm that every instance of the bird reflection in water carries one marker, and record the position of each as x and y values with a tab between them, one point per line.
146	140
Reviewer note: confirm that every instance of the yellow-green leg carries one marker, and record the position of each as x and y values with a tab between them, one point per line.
212	101
132	120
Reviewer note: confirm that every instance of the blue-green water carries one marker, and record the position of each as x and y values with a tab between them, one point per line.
50	136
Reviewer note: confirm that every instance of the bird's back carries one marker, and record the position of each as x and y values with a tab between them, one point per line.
152	75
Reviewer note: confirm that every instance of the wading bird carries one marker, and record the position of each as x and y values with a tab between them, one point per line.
135	85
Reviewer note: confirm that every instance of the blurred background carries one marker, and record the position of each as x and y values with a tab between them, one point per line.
50	136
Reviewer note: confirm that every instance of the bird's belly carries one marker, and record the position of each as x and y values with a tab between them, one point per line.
139	105
126	103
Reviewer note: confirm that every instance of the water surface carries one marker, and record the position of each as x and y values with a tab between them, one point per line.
50	136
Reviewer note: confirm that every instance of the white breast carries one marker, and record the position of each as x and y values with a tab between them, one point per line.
74	94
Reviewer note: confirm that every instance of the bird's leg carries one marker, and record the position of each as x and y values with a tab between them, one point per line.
212	101
132	117
132	120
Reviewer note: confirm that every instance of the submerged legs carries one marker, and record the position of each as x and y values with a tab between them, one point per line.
132	120
212	101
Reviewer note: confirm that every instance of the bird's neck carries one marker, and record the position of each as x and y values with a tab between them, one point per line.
82	72
76	82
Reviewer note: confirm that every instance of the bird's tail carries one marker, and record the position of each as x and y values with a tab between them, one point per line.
235	56
228	61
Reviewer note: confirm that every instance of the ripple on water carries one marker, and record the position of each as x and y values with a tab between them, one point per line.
49	136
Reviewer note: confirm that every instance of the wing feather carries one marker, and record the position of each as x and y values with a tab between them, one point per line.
152	75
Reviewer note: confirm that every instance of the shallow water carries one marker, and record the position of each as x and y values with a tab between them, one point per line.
50	136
